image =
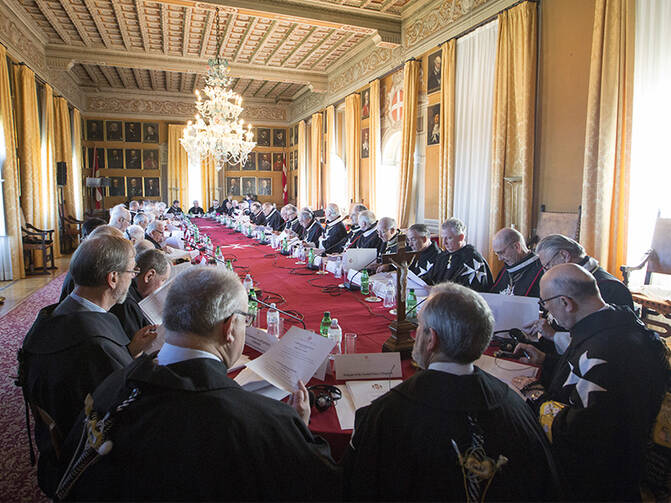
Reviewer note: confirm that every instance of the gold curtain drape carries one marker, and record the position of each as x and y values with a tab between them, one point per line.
328	154
374	142
447	119
49	191
208	174
514	119
407	195
352	144
75	169
606	170
178	165
303	197
10	186
315	171
63	151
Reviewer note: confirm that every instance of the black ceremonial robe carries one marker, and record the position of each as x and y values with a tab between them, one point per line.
175	211
368	239
613	291
196	211
334	233
465	266
388	247
68	286
129	312
274	220
153	241
521	279
294	225
195	434
353	234
402	447
65	357
258	218
424	263
611	379
313	233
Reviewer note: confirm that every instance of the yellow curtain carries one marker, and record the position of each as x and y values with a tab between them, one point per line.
10	187
328	155
374	142
447	107
75	171
606	170
49	191
407	195
178	166
303	198
352	144
314	175
63	150
514	119
208	175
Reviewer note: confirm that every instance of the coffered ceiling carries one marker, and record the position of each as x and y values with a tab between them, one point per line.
276	48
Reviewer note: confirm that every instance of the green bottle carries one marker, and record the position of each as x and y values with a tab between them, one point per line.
311	258
364	282
411	305
252	305
229	265
326	324
285	245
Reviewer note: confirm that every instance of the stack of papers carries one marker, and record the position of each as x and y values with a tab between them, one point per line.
511	311
357	394
506	370
152	305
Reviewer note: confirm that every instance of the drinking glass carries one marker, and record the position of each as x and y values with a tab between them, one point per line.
350	343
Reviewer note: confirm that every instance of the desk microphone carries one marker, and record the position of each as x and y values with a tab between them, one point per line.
280	311
348	283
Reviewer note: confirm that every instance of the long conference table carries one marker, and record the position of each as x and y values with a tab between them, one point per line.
303	291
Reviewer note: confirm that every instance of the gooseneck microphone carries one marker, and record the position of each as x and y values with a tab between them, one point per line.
280	311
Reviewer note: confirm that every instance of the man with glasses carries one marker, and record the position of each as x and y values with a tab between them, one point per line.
120	217
599	401
193	433
522	271
74	345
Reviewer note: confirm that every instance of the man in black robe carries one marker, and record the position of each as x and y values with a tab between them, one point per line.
354	232
313	230
291	220
196	210
368	237
273	218
428	438
460	262
256	216
175	209
335	230
419	240
156	233
74	345
89	225
215	207
153	271
522	271
599	401
188	415
388	233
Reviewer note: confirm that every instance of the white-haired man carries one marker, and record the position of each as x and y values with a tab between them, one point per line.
143	219
460	262
419	240
134	208
335	230
156	233
354	232
313	230
369	237
273	218
120	217
291	220
229	444
388	232
256	216
522	271
135	233
450	421
196	210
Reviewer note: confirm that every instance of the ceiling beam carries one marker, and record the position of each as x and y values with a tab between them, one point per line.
186	33
281	43
386	4
206	34
121	21
269	32
182	82
53	21
74	19
153	80
244	38
230	24
123	76
93	11
298	45
112	57
94	78
251	81
107	72
330	51
165	26
314	48
142	22
138	78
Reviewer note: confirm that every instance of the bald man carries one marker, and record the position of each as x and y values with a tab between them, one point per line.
599	402
521	271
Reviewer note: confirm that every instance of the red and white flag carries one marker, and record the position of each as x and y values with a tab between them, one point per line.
96	169
285	191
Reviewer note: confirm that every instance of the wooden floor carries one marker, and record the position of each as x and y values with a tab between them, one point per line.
16	291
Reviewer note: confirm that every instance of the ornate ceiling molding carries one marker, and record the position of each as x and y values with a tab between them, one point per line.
306	104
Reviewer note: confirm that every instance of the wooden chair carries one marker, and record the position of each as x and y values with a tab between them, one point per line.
554	222
657	260
35	239
72	233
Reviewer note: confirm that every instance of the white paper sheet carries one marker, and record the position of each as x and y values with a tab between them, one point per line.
345	408
259	339
296	356
250	381
242	361
506	370
368	366
176	269
152	305
511	311
364	392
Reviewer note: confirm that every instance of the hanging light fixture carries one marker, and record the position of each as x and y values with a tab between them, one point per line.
217	129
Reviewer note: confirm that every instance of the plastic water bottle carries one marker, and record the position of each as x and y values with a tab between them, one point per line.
338	268
273	321
364	282
325	325
411	305
311	257
389	295
335	334
248	283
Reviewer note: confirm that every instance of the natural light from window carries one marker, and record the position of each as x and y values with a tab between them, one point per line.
387	177
338	183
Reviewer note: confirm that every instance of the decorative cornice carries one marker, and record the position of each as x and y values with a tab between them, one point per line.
307	104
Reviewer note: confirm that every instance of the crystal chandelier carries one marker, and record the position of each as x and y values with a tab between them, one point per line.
217	130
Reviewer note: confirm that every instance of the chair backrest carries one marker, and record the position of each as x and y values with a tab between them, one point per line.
660	259
553	222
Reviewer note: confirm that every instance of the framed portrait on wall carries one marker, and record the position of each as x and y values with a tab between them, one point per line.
114	130
279	137
94	130
232	186
248	185
365	104
250	164
278	161
117	186
151	187
115	158
150	159
365	143
150	132
433	124
265	187
265	161
133	131
296	135
96	154
134	186
433	72
263	137
133	159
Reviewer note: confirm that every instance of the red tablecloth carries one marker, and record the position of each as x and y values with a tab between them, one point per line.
302	291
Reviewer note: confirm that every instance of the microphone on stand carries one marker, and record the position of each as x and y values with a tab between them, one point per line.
281	312
348	283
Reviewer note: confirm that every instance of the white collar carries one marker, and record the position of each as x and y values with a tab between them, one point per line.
336	221
455	368
86	303
271	213
170	354
524	264
370	231
314	221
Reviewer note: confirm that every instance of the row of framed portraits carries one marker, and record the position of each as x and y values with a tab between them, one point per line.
136	132
120	158
134	186
244	185
262	161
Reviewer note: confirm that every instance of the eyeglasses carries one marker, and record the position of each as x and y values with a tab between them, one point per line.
500	253
134	272
546	267
542	302
249	317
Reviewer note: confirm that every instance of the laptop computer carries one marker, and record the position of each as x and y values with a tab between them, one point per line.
359	258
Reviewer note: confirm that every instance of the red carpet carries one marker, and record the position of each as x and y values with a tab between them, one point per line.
18	480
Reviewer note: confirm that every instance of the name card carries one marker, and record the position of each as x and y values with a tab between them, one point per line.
259	339
368	366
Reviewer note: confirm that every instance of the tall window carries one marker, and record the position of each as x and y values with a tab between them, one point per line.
650	167
387	177
338	182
